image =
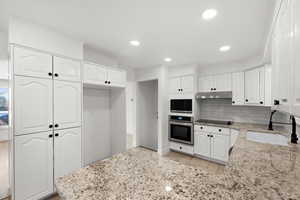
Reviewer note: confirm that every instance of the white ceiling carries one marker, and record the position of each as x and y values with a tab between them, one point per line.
165	28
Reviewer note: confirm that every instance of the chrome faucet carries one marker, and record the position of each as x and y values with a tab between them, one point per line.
294	137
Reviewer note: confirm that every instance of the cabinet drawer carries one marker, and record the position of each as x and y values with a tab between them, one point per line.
202	128
212	129
182	148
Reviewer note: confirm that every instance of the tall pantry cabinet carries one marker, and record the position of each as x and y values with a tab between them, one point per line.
46	102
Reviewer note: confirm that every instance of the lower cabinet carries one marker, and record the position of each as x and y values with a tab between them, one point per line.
212	145
67	151
41	157
33	165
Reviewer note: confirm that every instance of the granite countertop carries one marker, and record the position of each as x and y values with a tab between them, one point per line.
255	171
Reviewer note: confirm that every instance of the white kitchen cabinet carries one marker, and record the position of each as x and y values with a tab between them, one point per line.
116	78
238	91
202	144
66	69
33	167
32	63
215	83
220	147
99	75
223	82
296	65
67	104
67	151
255	86
205	84
181	85
33	105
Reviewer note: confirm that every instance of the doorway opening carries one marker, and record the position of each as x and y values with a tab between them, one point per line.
147	114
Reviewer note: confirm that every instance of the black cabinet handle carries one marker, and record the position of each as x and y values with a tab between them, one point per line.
56	125
105	82
261	102
108	82
50	74
211	89
215	88
180	147
50	136
220	130
246	100
233	102
179	90
201	127
50	126
208	135
56	74
276	102
56	134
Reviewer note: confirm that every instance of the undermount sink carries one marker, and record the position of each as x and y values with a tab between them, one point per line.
268	138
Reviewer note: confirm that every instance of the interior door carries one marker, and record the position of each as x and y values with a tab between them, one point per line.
174	85
32	63
33	105
148	114
33	166
67	151
66	69
205	84
67	104
202	144
94	74
219	147
238	84
187	84
116	78
223	82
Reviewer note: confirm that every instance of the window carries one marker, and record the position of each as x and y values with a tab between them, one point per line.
3	106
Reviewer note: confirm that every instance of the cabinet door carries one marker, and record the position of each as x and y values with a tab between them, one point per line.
296	64
33	166
66	69
67	151
206	84
223	82
202	144
254	86
32	63
94	74
238	84
187	84
174	85
67	104
220	147
116	78
33	105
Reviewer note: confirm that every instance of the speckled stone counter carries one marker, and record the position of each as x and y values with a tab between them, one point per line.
255	171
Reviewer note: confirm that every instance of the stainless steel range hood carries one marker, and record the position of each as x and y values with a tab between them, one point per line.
214	95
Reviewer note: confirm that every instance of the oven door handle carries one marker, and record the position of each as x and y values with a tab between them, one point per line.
183	124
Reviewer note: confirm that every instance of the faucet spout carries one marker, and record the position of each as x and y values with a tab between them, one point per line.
294	137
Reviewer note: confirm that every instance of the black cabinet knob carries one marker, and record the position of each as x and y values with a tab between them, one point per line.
56	74
208	135
50	74
220	130
180	147
215	88
179	90
56	134
233	102
246	100
50	126
211	89
56	125
50	136
261	102
108	82
201	127
276	102
105	82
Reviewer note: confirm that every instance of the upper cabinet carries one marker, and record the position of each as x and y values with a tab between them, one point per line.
181	85
216	83
66	69
238	88
32	63
254	86
100	75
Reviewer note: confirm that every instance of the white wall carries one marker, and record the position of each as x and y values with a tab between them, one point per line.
96	125
43	38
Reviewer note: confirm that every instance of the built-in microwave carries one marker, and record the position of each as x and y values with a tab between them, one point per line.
181	105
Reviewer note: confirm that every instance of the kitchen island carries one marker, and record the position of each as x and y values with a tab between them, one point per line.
255	171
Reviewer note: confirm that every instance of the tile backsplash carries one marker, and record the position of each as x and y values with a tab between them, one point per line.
222	109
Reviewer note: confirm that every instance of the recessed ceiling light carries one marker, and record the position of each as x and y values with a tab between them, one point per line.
225	48
135	43
209	14
168	59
